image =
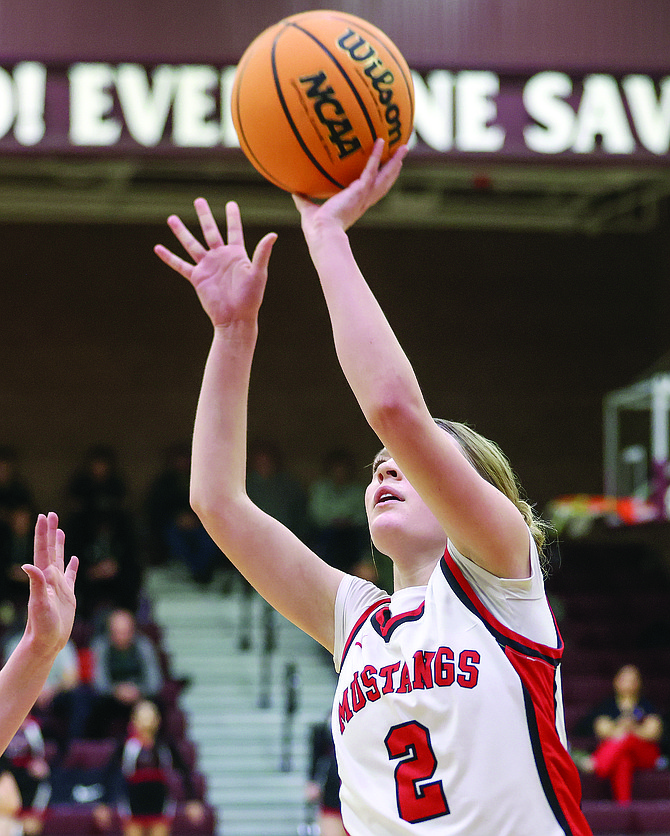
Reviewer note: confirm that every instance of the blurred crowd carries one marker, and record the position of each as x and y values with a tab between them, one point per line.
112	682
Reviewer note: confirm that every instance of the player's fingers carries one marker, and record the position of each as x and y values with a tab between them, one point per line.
52	537
41	558
185	237
58	556
38	582
365	185
261	257
182	267
393	166
305	206
71	571
301	201
372	165
389	172
209	227
234	224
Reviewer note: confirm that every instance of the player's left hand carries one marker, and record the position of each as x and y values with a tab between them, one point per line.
51	604
229	284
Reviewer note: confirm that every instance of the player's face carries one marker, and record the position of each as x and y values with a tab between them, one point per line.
395	510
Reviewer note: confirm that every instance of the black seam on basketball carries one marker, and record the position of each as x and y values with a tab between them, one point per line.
339	66
409	84
292	124
248	149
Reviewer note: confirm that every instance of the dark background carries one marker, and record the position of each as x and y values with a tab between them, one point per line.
521	335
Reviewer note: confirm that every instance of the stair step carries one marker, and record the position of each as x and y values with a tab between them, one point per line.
239	744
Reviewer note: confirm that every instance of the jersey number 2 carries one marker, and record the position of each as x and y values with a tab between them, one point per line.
409	743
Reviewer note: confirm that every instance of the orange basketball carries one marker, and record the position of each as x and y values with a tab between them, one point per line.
311	95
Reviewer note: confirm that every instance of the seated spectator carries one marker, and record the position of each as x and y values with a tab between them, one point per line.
14	491
273	488
24	759
146	760
64	704
16	548
17	524
126	670
323	785
336	507
628	729
97	485
110	573
176	531
102	534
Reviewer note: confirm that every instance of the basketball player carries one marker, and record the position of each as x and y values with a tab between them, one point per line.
51	608
447	718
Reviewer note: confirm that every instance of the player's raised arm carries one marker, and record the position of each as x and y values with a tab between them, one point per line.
480	520
51	608
230	287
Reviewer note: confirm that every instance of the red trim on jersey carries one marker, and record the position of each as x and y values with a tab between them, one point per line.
361	621
554	653
385	623
557	772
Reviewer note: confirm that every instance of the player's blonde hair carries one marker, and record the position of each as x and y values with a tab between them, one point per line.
493	465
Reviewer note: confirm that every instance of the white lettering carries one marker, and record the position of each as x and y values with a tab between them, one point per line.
90	105
475	110
189	106
228	132
7	103
30	79
651	118
601	113
145	105
434	114
194	106
543	97
22	99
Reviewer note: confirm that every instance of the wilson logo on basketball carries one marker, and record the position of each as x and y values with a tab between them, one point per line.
381	77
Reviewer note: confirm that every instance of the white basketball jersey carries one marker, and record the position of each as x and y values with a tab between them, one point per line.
445	720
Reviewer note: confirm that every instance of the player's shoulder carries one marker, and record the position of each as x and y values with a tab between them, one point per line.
355	596
355	600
